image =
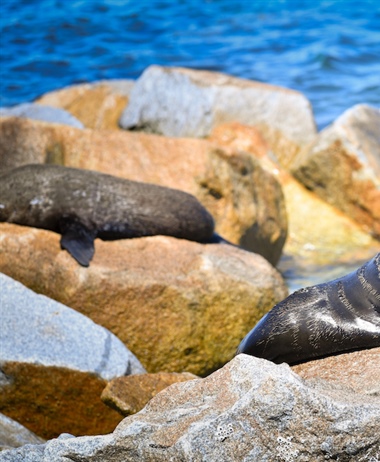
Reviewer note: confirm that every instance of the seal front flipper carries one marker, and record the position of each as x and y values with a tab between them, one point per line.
77	239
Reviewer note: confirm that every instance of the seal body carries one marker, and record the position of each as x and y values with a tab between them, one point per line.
82	205
339	316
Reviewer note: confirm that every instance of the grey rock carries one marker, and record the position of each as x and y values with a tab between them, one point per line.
27	453
40	112
14	435
54	364
250	410
36	329
185	102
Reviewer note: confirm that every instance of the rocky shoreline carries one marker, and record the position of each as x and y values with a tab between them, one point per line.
250	153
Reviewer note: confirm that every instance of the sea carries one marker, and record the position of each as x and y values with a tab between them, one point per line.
327	49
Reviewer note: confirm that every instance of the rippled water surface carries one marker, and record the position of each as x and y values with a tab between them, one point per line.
329	50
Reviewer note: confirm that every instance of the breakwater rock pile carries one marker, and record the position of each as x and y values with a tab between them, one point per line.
83	347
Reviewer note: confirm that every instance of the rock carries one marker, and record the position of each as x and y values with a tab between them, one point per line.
358	371
167	299
97	105
55	363
343	166
15	146
129	395
319	234
56	341
250	410
190	103
239	137
14	435
246	202
39	112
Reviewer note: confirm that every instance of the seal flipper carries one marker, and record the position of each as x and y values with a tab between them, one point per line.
78	240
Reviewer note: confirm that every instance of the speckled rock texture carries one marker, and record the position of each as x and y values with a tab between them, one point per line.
250	410
178	305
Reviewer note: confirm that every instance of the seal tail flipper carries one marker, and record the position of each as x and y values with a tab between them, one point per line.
78	241
218	239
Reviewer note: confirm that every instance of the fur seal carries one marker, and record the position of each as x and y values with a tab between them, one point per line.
338	316
82	205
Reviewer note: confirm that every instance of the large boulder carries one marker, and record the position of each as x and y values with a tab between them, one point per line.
246	201
343	166
97	105
250	410
178	305
55	363
184	102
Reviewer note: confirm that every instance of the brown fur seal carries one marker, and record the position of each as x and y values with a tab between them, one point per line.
83	205
338	316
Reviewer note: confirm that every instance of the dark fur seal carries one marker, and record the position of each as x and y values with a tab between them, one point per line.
339	316
83	205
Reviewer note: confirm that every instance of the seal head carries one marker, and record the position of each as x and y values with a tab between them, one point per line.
338	316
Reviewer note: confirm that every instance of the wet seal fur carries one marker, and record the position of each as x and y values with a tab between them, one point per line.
335	317
82	205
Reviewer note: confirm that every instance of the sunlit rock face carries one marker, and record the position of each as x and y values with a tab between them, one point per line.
343	166
249	410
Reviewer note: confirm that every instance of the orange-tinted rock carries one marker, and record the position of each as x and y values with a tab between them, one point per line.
238	191
97	105
129	395
54	400
358	370
343	166
16	147
177	305
239	137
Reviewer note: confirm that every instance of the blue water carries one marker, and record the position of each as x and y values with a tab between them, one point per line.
327	49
